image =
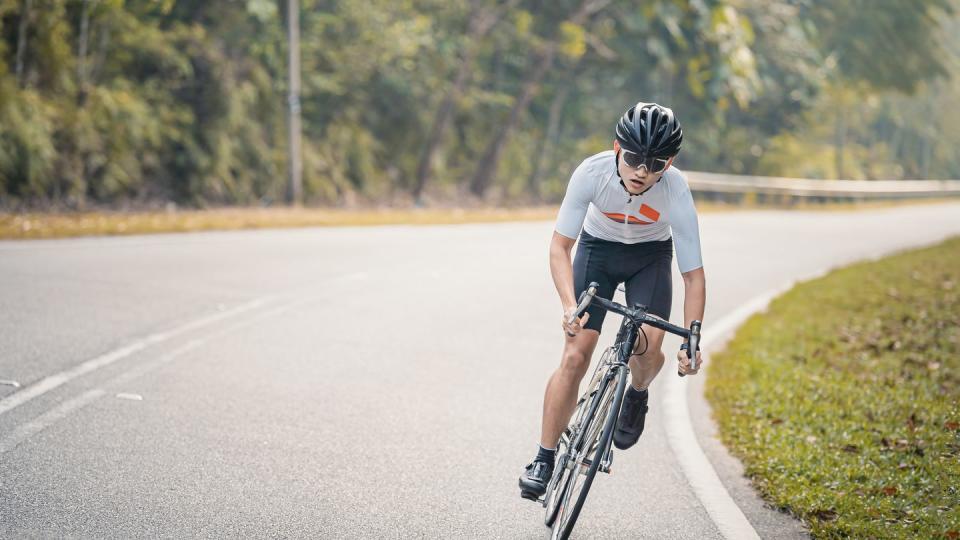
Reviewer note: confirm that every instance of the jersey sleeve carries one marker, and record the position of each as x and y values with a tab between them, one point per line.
686	229
573	209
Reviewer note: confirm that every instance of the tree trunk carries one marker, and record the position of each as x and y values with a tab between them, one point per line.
549	140
840	140
83	42
896	143
100	59
486	170
22	40
439	127
926	156
481	23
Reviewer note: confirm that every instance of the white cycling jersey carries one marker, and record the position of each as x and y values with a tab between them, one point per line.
596	195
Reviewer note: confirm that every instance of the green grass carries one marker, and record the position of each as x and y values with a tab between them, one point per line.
842	399
71	224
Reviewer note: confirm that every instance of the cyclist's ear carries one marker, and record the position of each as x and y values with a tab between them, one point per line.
616	146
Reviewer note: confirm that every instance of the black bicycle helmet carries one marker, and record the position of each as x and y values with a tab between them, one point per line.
650	130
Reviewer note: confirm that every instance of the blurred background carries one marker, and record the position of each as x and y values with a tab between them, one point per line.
142	103
257	383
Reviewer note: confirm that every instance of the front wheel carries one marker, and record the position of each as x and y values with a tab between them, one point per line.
586	403
584	457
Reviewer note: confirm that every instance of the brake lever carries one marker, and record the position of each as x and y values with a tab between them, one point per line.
693	343
585	298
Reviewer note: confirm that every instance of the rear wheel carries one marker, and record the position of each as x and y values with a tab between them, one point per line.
584	457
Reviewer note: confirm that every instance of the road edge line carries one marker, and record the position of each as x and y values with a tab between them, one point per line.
701	475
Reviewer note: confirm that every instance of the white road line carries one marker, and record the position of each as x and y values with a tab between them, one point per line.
49	383
731	521
42	422
54	381
146	367
38	424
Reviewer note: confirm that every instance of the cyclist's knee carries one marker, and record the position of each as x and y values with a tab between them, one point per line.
648	345
575	361
644	357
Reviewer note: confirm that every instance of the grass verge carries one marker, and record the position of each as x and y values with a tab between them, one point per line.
842	399
62	225
72	224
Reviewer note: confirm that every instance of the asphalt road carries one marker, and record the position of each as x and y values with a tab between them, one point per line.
381	382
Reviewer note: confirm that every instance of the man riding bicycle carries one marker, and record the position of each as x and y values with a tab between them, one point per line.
628	206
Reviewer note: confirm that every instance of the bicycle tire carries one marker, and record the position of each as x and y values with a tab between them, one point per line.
608	424
558	492
557	483
557	488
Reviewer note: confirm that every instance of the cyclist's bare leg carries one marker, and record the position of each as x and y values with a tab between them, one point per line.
644	367
560	397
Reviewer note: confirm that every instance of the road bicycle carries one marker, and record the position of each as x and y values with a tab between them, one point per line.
585	446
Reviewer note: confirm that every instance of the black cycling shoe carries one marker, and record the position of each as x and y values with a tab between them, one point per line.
534	480
632	415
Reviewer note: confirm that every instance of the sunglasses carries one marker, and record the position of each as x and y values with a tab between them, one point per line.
653	164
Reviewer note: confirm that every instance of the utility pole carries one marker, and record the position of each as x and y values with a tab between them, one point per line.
22	41
294	161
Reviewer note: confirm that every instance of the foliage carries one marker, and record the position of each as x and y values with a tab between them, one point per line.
842	400
117	102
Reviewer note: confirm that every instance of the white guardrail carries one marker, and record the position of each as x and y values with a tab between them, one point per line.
727	186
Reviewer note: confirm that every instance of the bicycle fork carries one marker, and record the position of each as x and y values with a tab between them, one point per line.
606	462
606	453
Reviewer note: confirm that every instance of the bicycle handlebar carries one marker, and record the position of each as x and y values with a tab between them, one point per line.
640	316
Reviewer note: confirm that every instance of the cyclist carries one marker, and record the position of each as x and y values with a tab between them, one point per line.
628	206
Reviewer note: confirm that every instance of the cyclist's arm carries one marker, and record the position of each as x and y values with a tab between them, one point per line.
561	268
573	211
686	232
694	295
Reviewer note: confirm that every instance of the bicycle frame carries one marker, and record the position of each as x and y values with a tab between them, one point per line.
626	337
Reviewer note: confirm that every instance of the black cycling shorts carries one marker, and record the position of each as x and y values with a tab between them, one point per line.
644	268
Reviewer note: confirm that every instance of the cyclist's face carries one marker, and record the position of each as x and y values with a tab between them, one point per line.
637	179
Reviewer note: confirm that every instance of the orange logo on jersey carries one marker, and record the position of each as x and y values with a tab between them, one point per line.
644	211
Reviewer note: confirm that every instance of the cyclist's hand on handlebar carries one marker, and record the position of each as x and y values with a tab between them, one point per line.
573	328
683	363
